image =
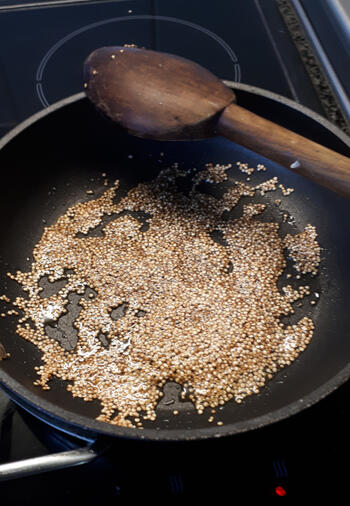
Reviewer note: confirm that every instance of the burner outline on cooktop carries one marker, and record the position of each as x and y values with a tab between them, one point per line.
61	42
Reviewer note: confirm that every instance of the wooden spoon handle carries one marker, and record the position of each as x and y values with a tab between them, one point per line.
320	164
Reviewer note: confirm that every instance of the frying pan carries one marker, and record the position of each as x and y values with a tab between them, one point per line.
47	164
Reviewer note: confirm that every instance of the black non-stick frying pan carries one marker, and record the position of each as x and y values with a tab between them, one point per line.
47	164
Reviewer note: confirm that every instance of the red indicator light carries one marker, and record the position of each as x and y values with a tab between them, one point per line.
280	491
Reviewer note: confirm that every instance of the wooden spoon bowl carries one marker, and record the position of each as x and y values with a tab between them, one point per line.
165	97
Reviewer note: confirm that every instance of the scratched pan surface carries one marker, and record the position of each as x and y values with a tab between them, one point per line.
48	163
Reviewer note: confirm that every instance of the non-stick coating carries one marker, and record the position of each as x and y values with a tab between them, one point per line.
50	164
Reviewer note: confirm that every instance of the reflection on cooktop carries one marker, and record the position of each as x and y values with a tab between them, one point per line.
298	458
138	28
238	41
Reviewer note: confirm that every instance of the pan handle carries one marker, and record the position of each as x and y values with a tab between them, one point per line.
46	463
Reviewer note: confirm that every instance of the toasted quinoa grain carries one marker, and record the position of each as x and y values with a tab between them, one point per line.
244	167
185	316
285	191
304	250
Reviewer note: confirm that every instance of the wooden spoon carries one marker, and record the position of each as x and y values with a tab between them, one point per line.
162	96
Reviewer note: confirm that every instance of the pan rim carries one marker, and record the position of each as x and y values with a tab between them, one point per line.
83	425
88	428
239	86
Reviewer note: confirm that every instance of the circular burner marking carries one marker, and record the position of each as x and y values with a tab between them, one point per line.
61	42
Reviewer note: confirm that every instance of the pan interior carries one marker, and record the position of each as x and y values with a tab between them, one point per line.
50	166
